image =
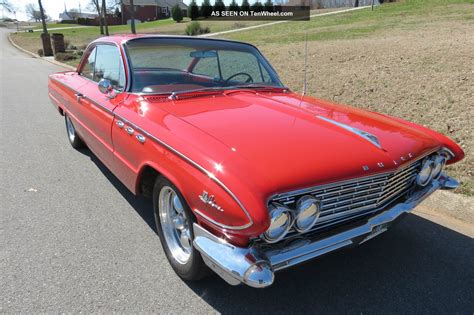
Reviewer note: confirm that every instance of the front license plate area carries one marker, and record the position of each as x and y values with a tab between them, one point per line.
376	230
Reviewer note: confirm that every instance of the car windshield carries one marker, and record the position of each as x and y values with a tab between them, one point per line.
167	65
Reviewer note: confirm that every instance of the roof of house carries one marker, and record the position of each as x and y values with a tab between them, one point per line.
159	3
74	15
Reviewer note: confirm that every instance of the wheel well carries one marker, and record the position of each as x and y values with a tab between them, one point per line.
147	181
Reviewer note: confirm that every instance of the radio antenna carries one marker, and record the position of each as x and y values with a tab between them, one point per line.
305	61
305	66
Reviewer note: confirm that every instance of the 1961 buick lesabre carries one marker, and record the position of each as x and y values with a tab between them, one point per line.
247	178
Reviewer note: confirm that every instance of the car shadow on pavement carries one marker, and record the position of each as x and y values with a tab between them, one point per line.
142	205
416	266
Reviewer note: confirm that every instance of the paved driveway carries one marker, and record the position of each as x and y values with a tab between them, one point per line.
72	238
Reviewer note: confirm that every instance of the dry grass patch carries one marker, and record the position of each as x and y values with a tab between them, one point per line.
425	76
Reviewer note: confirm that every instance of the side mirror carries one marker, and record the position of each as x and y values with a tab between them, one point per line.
106	87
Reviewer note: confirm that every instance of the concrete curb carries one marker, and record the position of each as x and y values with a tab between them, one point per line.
54	62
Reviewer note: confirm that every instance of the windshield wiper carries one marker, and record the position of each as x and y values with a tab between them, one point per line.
175	94
257	86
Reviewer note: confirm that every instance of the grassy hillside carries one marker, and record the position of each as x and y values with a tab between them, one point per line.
411	59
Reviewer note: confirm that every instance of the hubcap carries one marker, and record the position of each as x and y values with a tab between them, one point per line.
71	132
175	225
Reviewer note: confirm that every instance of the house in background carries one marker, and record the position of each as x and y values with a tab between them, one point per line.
150	10
73	15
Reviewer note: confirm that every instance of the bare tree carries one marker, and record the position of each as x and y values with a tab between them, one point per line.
43	17
32	12
7	6
104	12
132	17
96	5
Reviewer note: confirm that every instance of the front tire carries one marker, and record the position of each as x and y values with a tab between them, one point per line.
174	223
72	135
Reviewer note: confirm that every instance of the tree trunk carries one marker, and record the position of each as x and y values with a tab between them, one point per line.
45	39
132	17
101	25
43	18
356	3
104	12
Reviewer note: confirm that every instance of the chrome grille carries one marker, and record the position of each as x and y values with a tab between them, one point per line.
347	200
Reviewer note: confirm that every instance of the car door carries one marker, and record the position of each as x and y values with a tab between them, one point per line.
97	108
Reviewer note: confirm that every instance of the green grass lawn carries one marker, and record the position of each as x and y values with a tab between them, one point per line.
407	14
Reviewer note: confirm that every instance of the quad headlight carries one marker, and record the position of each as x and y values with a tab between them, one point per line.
424	176
307	213
432	168
280	223
439	163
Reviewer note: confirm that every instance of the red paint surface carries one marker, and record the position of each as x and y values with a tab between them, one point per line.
257	144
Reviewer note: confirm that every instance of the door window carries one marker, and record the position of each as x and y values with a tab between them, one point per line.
105	62
88	68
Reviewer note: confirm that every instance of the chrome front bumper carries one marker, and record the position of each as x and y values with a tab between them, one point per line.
256	265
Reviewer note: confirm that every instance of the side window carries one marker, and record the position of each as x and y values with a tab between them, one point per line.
88	68
207	67
108	65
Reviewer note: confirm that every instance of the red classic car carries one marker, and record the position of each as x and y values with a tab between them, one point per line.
247	178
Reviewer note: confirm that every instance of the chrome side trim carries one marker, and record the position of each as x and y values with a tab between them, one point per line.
84	96
203	170
187	159
361	133
235	264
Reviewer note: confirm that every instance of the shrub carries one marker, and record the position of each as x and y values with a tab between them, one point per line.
245	5
64	56
257	6
193	10
194	28
268	5
233	6
177	13
206	9
40	52
219	5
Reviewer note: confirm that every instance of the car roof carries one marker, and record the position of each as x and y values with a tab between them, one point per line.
123	38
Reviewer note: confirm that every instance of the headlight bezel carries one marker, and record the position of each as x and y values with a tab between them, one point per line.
303	204
277	210
439	161
426	166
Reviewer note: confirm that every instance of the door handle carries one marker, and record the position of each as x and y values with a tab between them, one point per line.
79	96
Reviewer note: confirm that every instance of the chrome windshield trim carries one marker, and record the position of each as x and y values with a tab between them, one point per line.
203	170
361	133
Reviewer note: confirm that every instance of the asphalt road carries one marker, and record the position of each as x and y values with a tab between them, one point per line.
74	239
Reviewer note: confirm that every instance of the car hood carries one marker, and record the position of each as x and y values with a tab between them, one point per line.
292	143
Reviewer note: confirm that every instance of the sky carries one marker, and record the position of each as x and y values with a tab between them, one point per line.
52	7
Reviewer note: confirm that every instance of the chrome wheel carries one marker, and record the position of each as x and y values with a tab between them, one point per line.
71	132
175	225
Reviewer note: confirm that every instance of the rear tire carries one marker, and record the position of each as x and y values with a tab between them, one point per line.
174	223
72	135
